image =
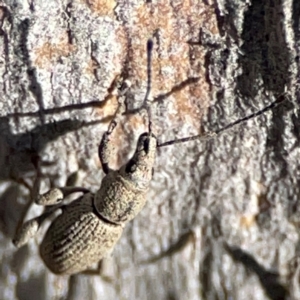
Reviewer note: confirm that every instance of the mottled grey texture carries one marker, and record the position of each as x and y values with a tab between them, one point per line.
77	238
238	193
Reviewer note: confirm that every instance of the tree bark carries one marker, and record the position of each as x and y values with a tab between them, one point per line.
222	216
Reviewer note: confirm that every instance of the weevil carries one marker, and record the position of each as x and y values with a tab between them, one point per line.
89	227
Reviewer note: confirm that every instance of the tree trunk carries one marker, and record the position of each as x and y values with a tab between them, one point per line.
222	216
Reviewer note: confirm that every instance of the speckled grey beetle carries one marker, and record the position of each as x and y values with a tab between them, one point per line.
90	226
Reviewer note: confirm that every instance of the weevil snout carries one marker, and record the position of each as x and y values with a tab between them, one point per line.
147	142
139	168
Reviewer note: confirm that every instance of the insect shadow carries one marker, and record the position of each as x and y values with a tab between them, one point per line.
270	281
20	160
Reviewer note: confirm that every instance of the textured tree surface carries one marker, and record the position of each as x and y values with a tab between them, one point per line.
222	216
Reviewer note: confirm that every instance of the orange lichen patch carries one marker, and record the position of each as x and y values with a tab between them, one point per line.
107	111
174	60
199	15
186	101
136	121
180	69
130	124
151	17
109	104
186	111
91	66
247	221
121	38
48	52
101	7
211	26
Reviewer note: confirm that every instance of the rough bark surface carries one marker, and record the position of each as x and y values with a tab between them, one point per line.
222	218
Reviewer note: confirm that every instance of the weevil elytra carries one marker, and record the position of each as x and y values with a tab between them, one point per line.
89	227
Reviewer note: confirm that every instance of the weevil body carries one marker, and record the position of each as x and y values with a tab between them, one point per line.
89	227
78	238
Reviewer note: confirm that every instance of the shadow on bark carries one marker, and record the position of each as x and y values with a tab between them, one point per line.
269	280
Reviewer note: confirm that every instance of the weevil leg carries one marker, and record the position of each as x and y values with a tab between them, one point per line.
106	149
30	228
33	192
101	270
57	195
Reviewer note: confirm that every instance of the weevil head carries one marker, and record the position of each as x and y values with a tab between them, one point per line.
139	169
122	193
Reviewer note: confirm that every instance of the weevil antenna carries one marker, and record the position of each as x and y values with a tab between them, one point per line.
148	91
209	135
149	63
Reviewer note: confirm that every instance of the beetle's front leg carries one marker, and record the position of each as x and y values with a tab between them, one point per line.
29	229
33	194
107	150
56	195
